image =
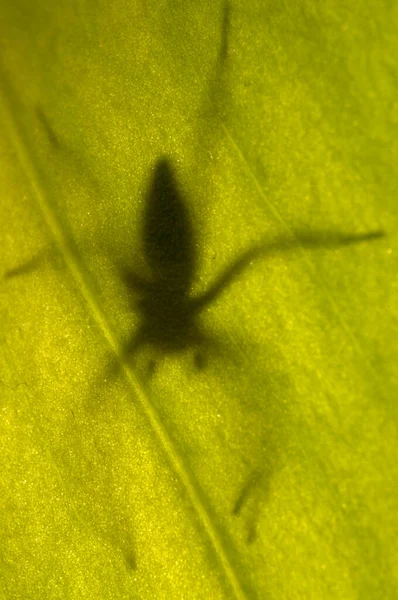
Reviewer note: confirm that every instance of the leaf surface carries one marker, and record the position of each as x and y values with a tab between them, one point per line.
270	472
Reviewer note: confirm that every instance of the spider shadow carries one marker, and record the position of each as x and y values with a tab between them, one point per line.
169	313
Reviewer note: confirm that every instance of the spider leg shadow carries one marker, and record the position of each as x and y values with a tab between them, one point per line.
26	268
133	281
39	260
302	239
247	489
249	495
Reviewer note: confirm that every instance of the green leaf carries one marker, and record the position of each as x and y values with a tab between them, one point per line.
271	471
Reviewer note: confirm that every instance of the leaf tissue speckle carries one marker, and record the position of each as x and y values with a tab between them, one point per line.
262	139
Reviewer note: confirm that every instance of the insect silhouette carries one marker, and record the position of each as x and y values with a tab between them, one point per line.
169	313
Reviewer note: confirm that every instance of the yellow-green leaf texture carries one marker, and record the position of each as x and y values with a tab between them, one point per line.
271	472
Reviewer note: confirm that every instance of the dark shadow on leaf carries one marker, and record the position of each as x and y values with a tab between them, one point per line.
169	314
248	495
48	256
48	129
246	491
27	267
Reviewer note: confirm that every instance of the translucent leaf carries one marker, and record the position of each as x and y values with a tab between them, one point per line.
244	448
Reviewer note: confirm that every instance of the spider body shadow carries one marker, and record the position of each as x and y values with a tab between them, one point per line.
169	314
